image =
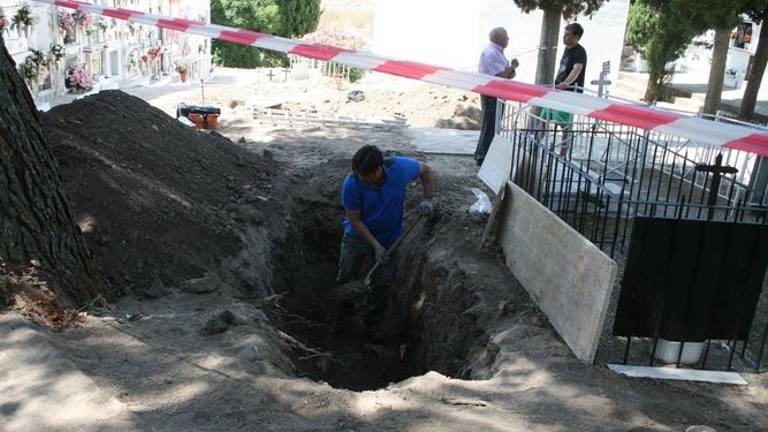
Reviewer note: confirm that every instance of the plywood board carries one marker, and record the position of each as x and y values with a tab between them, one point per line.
497	165
568	277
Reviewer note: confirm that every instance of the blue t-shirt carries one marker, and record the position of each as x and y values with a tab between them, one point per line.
381	209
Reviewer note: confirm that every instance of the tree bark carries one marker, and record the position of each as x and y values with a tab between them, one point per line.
655	86
717	71
36	222
755	78
550	30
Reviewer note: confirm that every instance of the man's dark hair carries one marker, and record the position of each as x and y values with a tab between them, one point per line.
367	159
576	29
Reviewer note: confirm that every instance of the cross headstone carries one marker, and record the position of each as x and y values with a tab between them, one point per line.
717	171
271	74
603	81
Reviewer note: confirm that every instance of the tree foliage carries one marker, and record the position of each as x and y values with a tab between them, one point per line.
298	17
553	10
757	11
661	35
570	8
288	18
662	29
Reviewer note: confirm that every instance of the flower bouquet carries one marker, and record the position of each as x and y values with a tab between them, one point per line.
79	80
67	24
29	70
65	21
23	20
101	24
31	67
182	67
56	52
37	57
5	22
83	19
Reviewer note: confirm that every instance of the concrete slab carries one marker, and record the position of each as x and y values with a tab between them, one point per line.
670	373
444	141
42	391
566	275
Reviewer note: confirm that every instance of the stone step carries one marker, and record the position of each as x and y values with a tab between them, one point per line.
633	78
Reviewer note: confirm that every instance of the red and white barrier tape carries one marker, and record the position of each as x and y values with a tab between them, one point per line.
699	130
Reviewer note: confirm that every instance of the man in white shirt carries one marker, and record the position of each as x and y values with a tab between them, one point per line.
492	62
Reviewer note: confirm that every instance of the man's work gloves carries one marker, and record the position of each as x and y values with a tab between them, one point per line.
426	208
380	252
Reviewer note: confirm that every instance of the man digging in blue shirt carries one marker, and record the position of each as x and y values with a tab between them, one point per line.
373	196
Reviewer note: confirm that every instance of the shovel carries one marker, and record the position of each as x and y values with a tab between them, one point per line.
354	289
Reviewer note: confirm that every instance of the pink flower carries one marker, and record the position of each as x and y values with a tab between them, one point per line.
84	19
80	78
66	21
4	23
340	38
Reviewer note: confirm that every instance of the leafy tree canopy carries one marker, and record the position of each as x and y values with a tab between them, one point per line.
570	8
288	18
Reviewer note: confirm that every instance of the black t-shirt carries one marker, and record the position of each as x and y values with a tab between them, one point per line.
572	56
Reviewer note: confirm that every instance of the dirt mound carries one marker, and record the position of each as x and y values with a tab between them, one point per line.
157	202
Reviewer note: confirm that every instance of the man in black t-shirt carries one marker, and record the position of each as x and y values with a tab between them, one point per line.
573	64
570	77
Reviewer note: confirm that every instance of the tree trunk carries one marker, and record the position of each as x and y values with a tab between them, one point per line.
717	71
755	75
550	30
655	84
35	219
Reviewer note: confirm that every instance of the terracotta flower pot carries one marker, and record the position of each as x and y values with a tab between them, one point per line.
183	76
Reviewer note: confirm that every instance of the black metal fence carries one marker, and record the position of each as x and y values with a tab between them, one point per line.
597	176
603	179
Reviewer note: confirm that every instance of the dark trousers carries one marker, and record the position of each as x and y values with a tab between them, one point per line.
354	255
488	129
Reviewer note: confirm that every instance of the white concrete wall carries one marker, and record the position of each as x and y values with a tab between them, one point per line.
453	33
46	32
568	277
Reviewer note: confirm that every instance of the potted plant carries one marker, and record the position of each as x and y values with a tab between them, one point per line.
23	20
5	22
182	67
79	80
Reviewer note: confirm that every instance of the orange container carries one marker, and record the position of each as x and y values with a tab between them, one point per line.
204	121
213	121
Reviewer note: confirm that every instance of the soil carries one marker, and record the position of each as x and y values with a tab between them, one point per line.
156	201
238	92
225	253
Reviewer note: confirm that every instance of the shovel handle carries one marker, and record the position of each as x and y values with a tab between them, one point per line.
392	248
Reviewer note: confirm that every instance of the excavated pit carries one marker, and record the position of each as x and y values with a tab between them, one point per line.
419	337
